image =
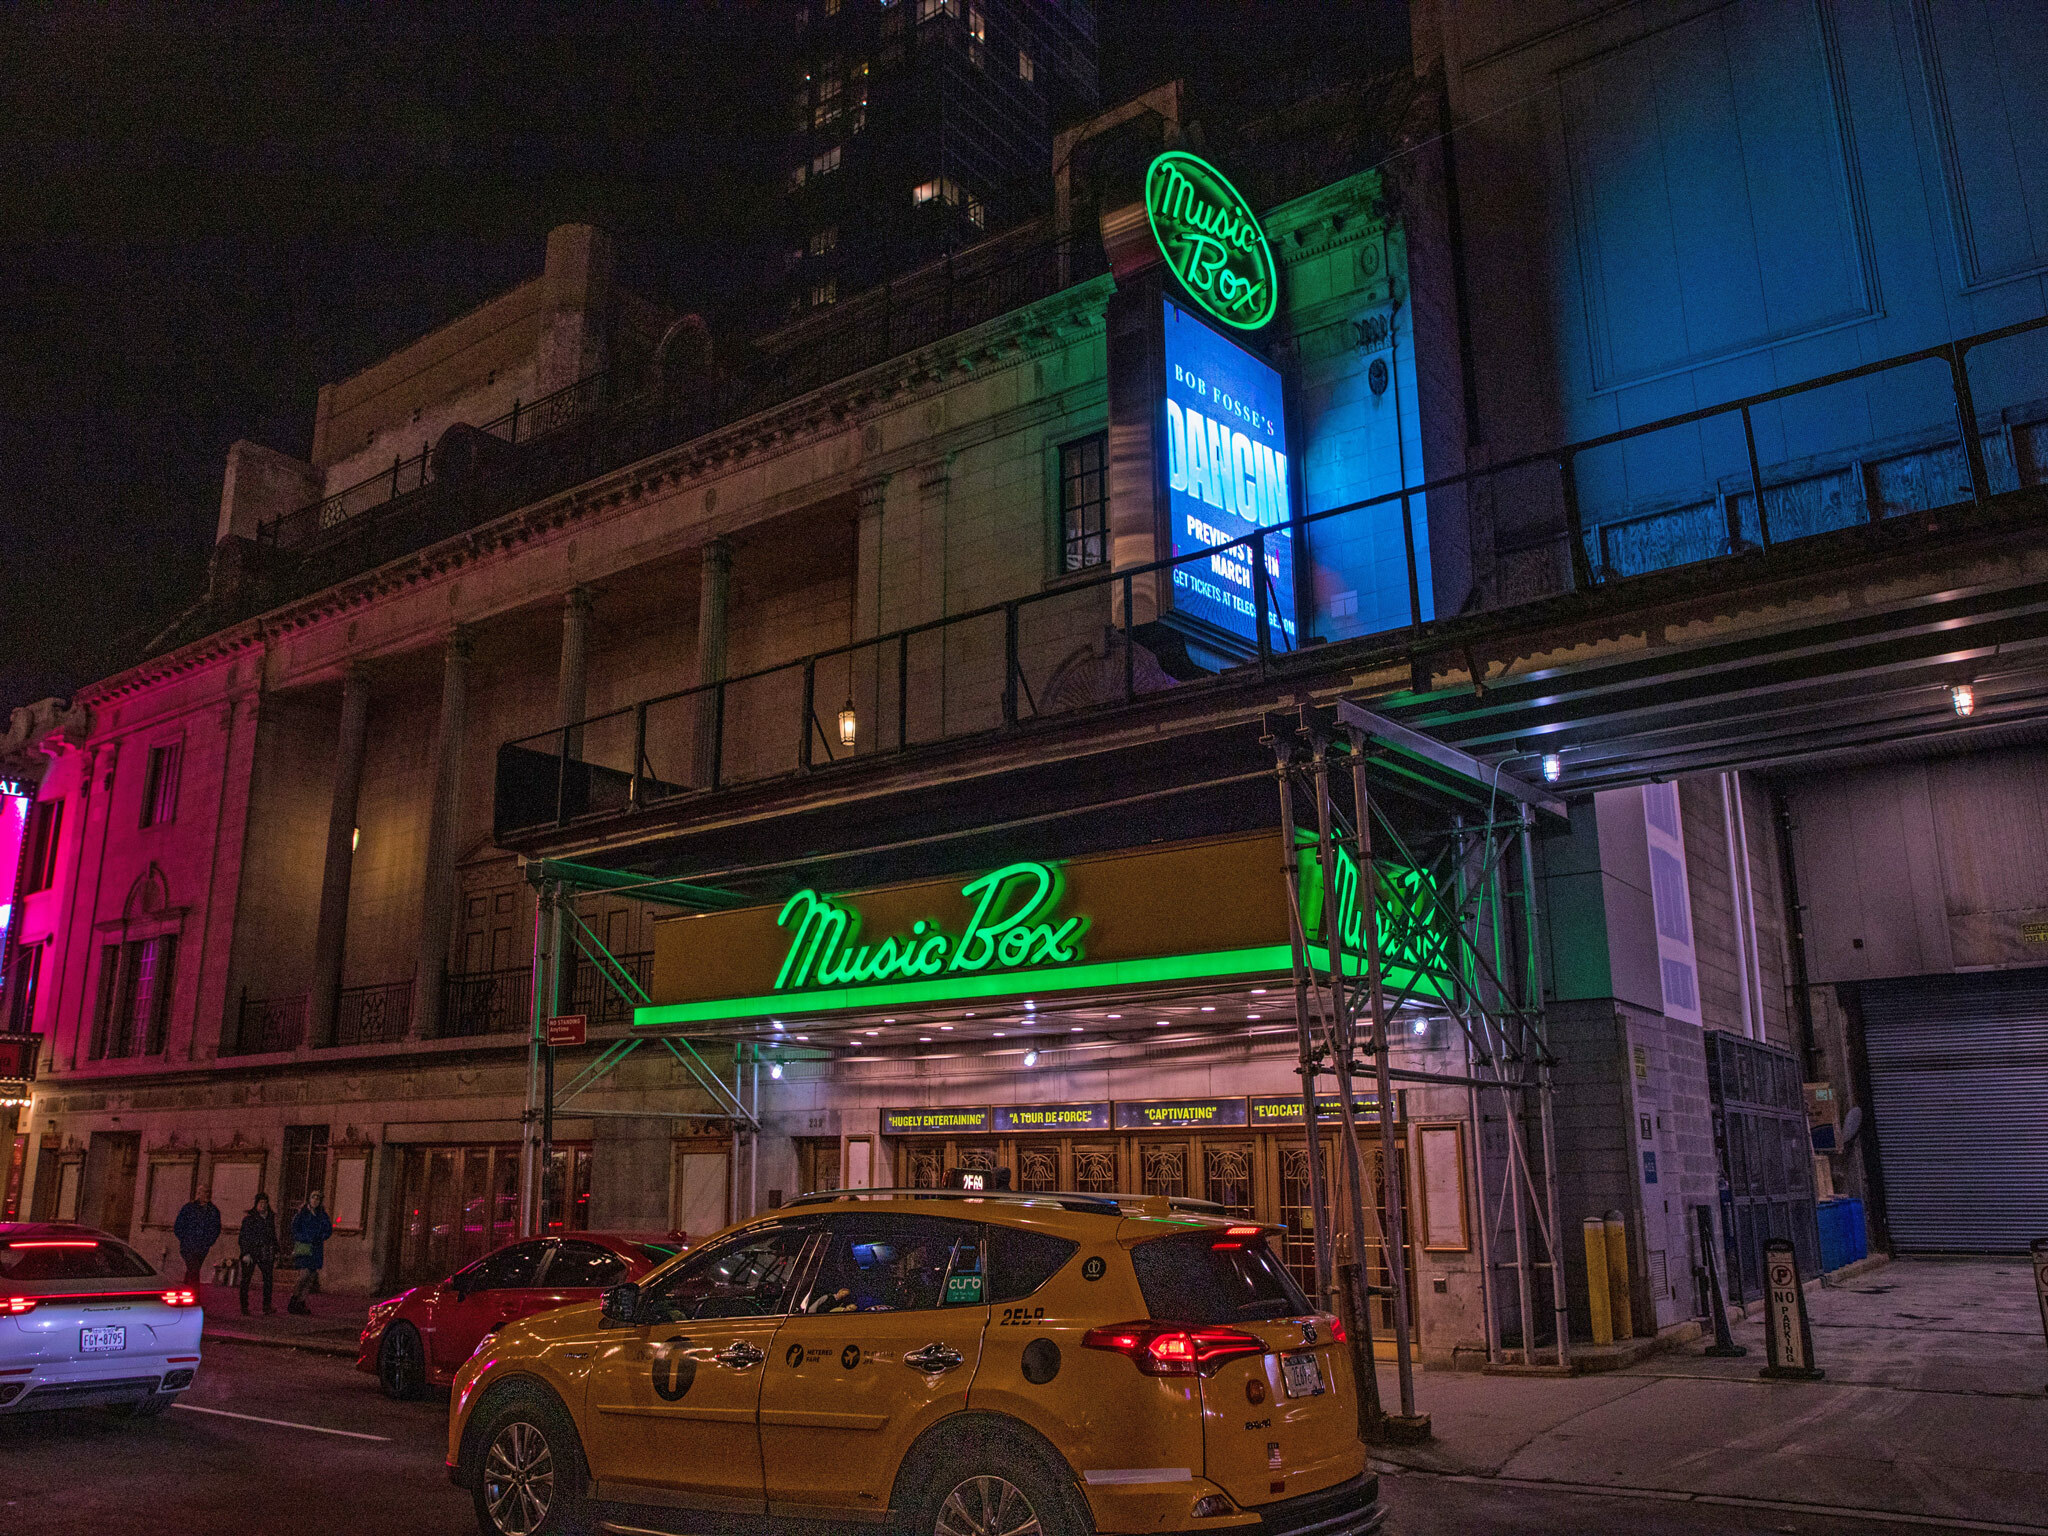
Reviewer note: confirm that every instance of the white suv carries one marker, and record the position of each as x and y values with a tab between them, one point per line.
86	1321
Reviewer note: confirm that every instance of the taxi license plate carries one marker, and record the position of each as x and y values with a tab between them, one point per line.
100	1340
1302	1375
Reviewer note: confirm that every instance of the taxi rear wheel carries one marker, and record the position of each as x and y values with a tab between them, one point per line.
529	1470
993	1486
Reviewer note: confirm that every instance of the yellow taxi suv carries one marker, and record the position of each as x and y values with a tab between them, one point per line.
941	1363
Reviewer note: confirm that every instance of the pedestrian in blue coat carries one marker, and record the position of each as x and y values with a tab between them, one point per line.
311	1227
197	1229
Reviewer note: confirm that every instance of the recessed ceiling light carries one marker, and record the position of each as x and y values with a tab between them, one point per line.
1116	1015
1075	1030
874	1032
1208	1008
1164	1024
888	1021
1000	1033
1258	991
924	1039
966	1015
1251	1015
945	1026
805	1038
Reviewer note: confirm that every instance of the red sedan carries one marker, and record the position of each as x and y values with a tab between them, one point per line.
420	1337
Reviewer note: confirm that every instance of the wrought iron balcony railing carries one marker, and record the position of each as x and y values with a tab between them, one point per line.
487	1003
1522	524
269	1024
378	1015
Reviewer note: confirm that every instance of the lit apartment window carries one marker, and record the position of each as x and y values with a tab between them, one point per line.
938	189
927	9
797	173
975	214
1084	502
826	292
825	162
45	822
828	102
825	241
831	7
977	24
1026	70
134	1002
160	784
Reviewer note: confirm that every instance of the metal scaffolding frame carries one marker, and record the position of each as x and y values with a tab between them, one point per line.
1473	912
559	935
1476	873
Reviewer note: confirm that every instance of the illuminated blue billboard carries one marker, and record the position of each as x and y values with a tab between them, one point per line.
1226	476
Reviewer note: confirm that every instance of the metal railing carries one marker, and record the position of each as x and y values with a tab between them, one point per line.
621	426
376	1015
269	1024
550	413
487	1003
601	1001
994	668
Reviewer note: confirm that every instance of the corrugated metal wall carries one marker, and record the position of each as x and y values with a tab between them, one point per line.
1959	1107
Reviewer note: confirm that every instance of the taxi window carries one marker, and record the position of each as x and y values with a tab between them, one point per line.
1019	1262
885	1263
748	1275
1201	1277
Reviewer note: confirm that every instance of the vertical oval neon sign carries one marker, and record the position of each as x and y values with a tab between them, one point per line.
1212	240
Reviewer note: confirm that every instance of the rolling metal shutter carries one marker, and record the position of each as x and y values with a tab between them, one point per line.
1959	1105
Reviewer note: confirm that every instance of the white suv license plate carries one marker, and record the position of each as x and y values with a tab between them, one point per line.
94	1341
1302	1375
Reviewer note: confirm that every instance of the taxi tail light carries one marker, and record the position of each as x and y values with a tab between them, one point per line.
180	1298
1338	1331
1174	1349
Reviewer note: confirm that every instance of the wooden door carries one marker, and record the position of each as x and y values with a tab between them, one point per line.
1163	1167
1096	1168
1226	1168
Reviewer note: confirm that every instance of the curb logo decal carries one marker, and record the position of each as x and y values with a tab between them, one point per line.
1094	1269
795	1357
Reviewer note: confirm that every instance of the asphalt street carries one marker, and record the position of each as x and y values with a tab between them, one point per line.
275	1442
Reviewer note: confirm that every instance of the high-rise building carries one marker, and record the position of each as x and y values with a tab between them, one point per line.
918	126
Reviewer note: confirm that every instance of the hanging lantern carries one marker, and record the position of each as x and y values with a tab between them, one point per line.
849	724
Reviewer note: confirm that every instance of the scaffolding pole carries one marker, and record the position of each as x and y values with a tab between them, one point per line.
1457	914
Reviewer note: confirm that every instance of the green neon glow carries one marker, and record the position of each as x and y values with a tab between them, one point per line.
825	950
1211	238
1220	965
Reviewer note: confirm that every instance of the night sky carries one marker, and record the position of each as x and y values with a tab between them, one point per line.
206	212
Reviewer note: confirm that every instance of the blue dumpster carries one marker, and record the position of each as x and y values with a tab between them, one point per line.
1842	1239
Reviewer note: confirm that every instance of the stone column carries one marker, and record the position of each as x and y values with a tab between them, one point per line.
437	897
714	591
569	689
331	935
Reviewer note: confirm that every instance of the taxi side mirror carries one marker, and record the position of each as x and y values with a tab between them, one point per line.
621	1304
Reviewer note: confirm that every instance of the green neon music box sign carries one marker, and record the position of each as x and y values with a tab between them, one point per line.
1212	240
1196	913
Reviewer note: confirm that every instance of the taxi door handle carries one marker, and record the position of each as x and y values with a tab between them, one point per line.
934	1358
739	1356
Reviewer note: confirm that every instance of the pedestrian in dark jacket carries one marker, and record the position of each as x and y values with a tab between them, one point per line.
259	1250
311	1227
197	1229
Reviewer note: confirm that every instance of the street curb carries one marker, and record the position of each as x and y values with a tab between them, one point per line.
316	1346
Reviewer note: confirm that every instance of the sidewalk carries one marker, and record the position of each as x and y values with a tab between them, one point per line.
334	1328
1934	1409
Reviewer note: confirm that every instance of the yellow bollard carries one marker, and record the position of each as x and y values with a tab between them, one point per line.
1617	1278
1596	1280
